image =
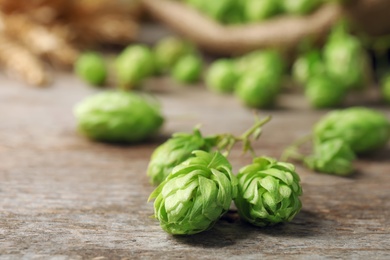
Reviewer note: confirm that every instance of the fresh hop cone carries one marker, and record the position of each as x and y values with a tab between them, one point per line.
363	129
196	194
187	69
169	50
118	116
257	90
307	66
134	64
300	7
175	151
332	157
268	192
385	89
256	10
221	76
345	58
91	67
265	62
323	92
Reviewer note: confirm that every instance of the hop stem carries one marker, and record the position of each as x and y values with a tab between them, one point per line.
292	151
228	141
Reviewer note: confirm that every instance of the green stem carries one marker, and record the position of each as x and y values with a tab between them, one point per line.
258	124
227	141
292	150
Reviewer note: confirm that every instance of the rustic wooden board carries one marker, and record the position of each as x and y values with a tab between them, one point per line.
64	197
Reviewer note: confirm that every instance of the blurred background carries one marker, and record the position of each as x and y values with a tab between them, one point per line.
326	49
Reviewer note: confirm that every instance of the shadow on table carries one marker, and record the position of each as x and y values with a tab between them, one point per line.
381	155
230	230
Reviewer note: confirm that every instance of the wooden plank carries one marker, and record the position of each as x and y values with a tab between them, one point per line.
64	197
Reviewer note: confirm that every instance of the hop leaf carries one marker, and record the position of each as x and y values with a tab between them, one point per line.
118	116
363	129
173	152
333	157
196	194
268	192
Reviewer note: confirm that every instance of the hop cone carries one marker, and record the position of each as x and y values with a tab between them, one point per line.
267	62
300	6
90	66
169	50
345	61
173	152
333	157
385	89
118	116
134	64
308	66
363	129
268	192
322	91
195	194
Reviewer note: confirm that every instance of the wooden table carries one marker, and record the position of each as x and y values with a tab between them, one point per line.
65	197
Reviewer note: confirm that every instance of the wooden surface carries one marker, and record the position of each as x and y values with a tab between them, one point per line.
64	197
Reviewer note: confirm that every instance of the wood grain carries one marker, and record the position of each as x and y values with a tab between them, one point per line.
64	197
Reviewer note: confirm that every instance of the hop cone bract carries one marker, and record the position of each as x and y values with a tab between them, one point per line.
333	157
268	192
173	152
363	129
196	194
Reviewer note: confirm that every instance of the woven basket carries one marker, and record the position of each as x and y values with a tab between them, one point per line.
369	16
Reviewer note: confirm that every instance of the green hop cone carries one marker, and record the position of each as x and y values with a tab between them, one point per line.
332	157
256	10
257	90
300	7
308	66
217	9
200	5
221	77
268	62
385	89
268	192
133	65
235	14
196	194
118	116
323	92
90	66
345	60
363	129
174	151
188	69
169	50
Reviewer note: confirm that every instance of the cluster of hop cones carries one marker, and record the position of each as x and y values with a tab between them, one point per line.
36	35
369	17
